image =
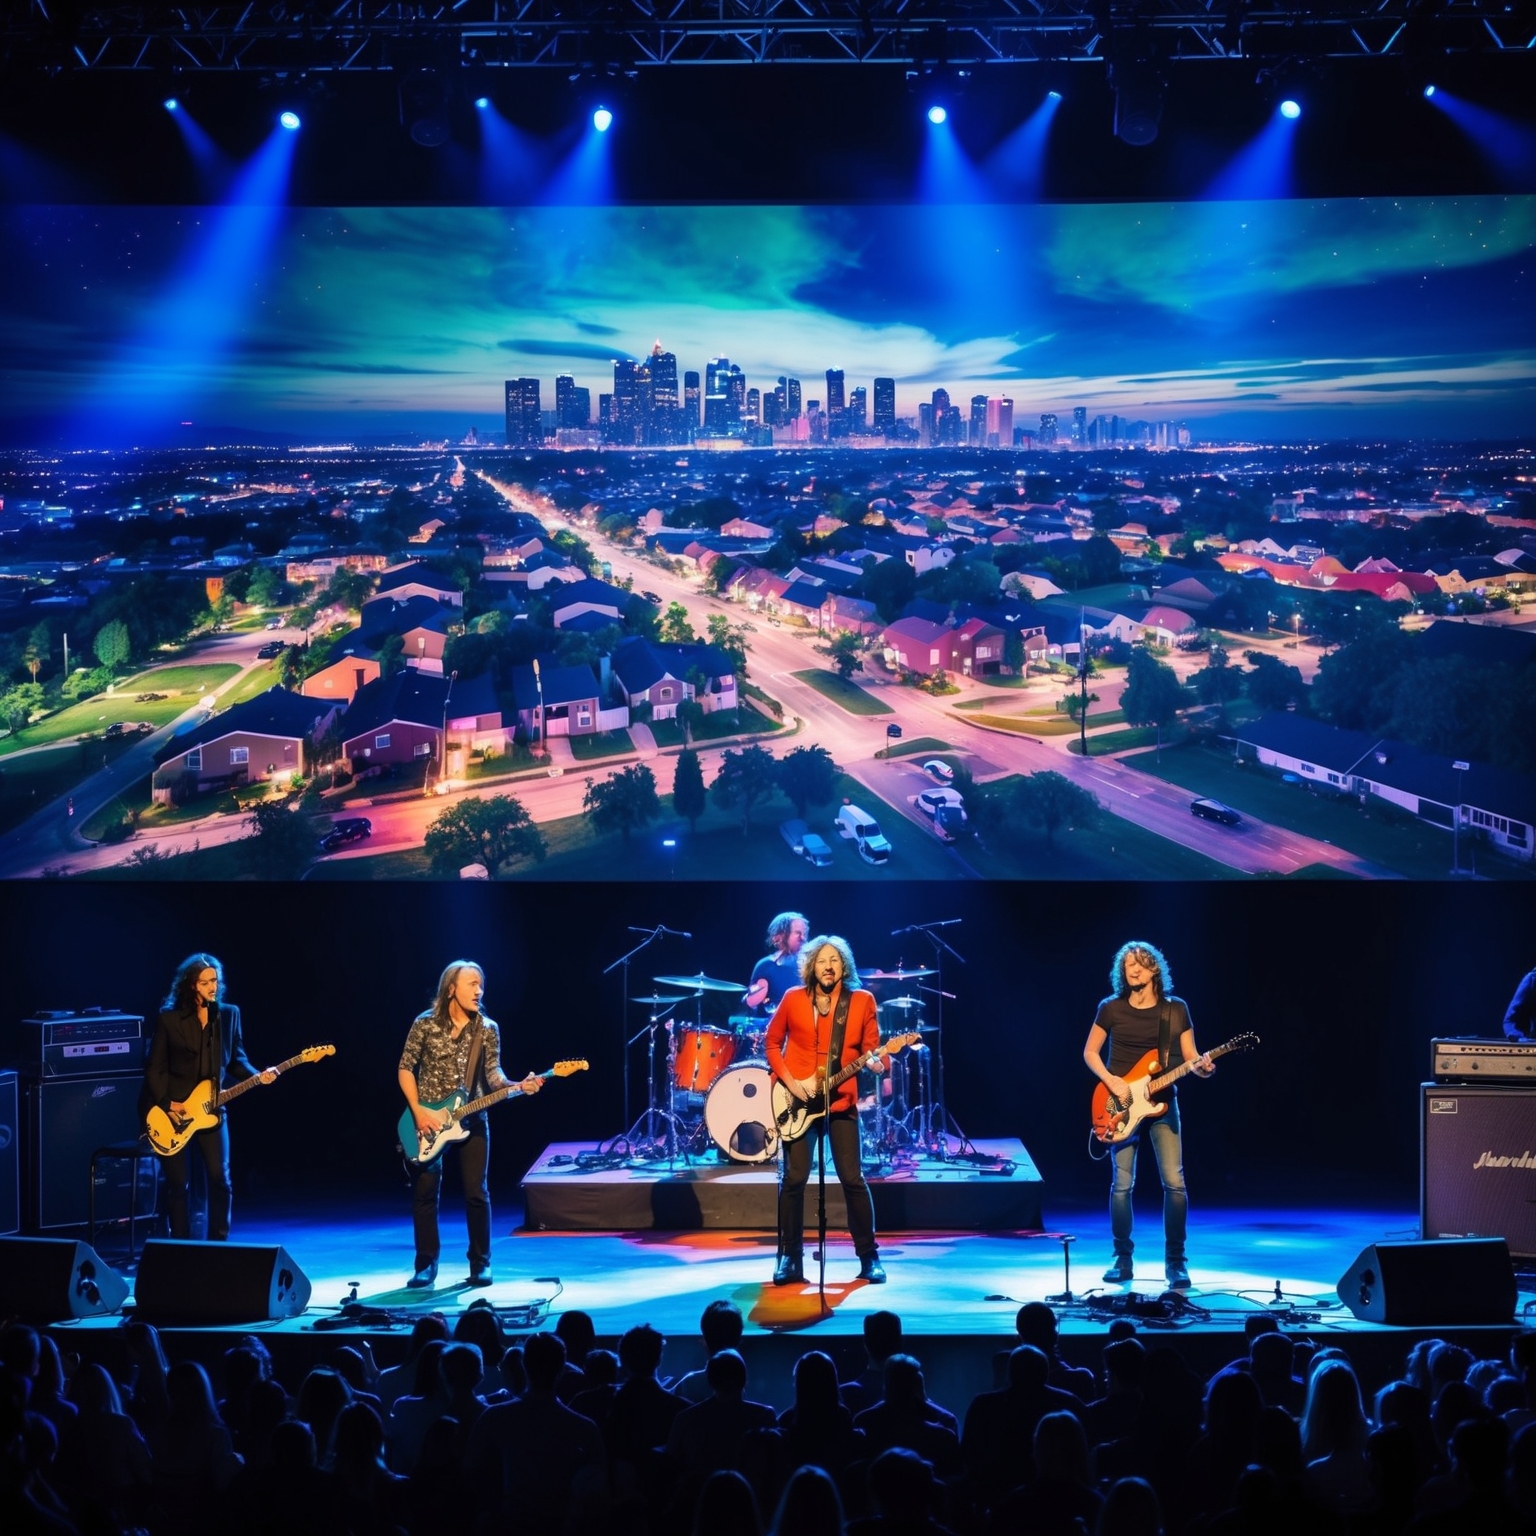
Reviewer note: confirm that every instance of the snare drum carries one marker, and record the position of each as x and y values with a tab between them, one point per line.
702	1055
738	1114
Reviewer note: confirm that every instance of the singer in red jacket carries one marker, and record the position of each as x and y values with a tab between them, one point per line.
798	1041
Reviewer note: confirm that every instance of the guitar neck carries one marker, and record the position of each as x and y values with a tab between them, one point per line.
1174	1074
839	1078
226	1094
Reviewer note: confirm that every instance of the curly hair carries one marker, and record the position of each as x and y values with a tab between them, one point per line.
183	993
1148	954
778	929
814	947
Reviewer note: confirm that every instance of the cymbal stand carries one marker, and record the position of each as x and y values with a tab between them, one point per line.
622	965
654	1144
936	1125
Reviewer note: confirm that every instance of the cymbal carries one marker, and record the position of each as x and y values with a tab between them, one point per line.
903	1003
700	983
911	974
663	1000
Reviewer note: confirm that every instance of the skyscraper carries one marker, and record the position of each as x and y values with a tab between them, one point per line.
714	373
837	425
858	410
565	387
754	406
1080	426
978	436
885	406
691	402
999	422
791	388
663	366
1047	435
524	428
735	385
631	402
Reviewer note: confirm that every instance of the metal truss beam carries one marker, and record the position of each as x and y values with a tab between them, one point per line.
296	36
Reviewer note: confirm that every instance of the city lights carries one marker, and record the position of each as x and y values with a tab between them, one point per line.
602	119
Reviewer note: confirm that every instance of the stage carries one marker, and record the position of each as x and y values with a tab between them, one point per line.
956	1292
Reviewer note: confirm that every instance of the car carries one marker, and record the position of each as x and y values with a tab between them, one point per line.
864	832
793	833
276	623
939	771
947	809
1214	810
270	649
652	597
349	829
816	851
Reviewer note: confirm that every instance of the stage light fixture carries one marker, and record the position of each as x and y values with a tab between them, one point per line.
171	104
482	103
424	107
937	114
1139	89
602	119
1429	92
1053	95
1290	110
290	121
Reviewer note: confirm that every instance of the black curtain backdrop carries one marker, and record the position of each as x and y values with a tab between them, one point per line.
1346	984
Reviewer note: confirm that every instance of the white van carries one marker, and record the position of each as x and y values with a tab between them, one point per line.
864	831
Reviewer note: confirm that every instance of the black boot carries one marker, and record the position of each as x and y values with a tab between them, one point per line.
789	1271
871	1269
1120	1270
424	1276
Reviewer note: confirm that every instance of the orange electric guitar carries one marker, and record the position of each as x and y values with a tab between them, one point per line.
1115	1120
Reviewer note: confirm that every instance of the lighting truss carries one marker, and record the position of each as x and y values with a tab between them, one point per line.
286	37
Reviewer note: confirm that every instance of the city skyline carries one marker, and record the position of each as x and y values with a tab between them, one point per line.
1256	321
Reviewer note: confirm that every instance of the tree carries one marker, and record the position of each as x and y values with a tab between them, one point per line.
1101	562
675	628
39	647
690	715
349	589
730	639
284	841
624	801
1153	695
688	788
890	586
1355	685
844	649
492	832
266	588
1273	684
19	704
1015	656
1218	683
1073	704
745	777
111	644
808	776
1049	801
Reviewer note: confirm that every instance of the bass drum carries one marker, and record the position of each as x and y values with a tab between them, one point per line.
738	1114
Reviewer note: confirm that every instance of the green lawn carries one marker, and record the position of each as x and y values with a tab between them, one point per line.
257	681
1024	726
917	744
847	695
178	683
28	783
1381	833
745	720
1134	736
600	744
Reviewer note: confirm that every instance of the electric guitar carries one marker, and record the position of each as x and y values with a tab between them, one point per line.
426	1146
169	1133
1114	1120
793	1116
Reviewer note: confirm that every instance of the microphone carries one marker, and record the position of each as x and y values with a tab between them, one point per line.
677	933
896	933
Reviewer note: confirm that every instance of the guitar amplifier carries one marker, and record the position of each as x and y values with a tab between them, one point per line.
95	1041
1472	1060
1478	1170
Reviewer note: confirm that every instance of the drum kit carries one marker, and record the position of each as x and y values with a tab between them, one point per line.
709	1085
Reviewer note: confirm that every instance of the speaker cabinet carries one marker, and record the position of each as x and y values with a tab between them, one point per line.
53	1279
217	1283
1434	1284
10	1154
1478	1164
68	1118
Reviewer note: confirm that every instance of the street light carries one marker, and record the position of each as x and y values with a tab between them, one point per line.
539	684
1460	768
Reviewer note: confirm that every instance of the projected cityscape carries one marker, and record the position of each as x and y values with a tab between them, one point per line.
1071	543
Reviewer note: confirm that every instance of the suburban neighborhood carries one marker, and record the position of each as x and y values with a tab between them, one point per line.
483	663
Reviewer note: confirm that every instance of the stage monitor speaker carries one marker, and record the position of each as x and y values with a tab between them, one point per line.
51	1279
217	1283
1436	1284
68	1118
10	1154
1478	1164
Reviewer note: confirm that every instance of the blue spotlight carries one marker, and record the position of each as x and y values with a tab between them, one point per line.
482	103
1053	95
171	104
290	121
1429	93
602	119
937	114
1290	110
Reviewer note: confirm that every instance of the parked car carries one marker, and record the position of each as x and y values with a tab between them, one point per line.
270	649
793	833
864	832
652	597
939	771
349	829
818	854
806	844
1214	810
947	809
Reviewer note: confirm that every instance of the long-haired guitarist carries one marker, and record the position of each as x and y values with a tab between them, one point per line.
454	1047
197	1040
829	1005
1142	1015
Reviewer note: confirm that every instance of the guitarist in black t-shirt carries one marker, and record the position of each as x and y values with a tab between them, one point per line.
1140	1016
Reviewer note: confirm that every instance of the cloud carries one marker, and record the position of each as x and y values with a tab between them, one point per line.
534	347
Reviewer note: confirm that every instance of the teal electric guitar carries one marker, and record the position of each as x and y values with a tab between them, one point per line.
425	1146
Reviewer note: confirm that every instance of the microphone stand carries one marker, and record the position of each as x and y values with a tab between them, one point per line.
938	1116
821	1170
651	935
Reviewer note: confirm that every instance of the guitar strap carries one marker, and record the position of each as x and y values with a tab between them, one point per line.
472	1063
1164	1037
839	1029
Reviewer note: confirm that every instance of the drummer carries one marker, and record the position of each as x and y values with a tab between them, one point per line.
779	969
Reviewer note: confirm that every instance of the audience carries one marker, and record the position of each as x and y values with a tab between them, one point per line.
494	1441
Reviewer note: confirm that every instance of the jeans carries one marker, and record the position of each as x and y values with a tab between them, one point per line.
213	1147
795	1170
1168	1148
474	1163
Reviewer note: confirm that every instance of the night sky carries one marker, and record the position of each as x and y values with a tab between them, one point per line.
1260	320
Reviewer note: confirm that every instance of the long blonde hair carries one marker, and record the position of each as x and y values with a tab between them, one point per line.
814	947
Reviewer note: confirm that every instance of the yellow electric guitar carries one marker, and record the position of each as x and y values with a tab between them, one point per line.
169	1133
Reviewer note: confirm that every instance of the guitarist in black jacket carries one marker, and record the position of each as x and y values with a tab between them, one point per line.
197	1039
